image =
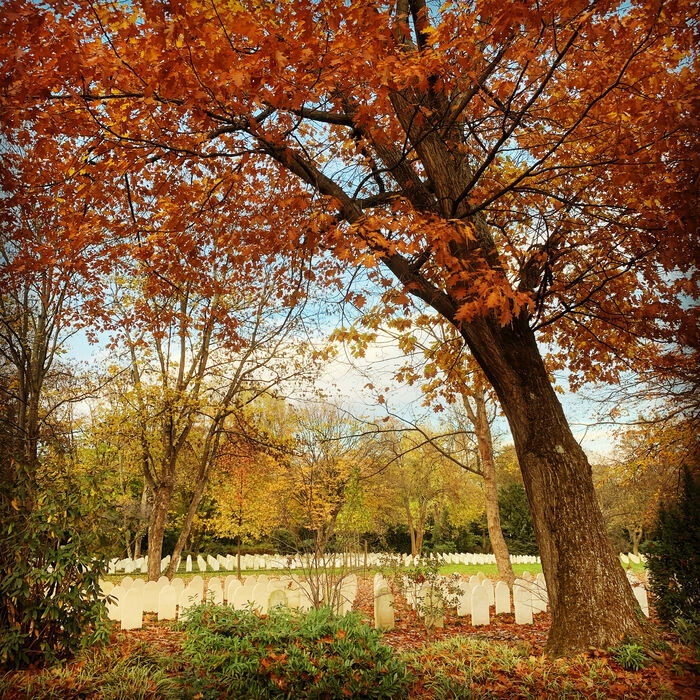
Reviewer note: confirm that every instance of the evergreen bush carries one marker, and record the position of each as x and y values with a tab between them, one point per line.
673	555
49	575
284	654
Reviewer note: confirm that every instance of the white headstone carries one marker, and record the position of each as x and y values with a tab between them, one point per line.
189	596
487	583
197	584
277	597
215	592
178	584
481	576
127	582
522	602
540	597
113	608
139	583
131	609
227	583
383	606
464	601
188	564
480	606
167	602
231	589
150	596
201	564
260	594
213	563
242	598
502	595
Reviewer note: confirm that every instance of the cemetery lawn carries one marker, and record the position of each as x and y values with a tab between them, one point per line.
501	660
465	570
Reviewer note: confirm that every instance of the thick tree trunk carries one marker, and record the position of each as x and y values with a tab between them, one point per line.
488	472
156	530
592	602
186	527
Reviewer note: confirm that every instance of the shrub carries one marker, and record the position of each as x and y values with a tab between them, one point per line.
673	555
444	590
286	654
630	656
49	578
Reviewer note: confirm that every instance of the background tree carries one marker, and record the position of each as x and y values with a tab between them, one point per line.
197	354
246	485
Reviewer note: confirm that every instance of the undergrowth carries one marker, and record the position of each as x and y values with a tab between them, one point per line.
286	654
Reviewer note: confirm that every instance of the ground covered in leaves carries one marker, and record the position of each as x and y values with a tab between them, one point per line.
501	660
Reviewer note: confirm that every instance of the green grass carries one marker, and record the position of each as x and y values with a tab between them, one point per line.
490	570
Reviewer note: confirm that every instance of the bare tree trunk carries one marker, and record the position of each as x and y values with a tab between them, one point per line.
156	530
636	536
411	530
186	526
488	471
143	521
420	531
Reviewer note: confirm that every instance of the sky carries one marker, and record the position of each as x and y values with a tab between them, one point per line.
354	384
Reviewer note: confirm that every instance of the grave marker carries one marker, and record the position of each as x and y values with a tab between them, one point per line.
522	602
502	595
480	606
131	609
167	603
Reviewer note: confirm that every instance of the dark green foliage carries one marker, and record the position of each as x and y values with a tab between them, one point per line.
516	520
49	576
285	654
673	556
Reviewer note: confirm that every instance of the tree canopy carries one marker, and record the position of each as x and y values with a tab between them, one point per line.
529	171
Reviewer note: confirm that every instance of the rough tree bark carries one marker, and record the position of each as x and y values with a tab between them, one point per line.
592	602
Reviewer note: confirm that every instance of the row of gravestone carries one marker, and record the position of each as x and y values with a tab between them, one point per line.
229	562
633	558
476	597
266	561
128	601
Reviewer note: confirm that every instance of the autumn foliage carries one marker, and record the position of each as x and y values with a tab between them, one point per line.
527	170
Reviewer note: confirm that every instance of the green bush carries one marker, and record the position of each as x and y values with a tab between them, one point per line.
630	656
49	577
673	555
285	654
